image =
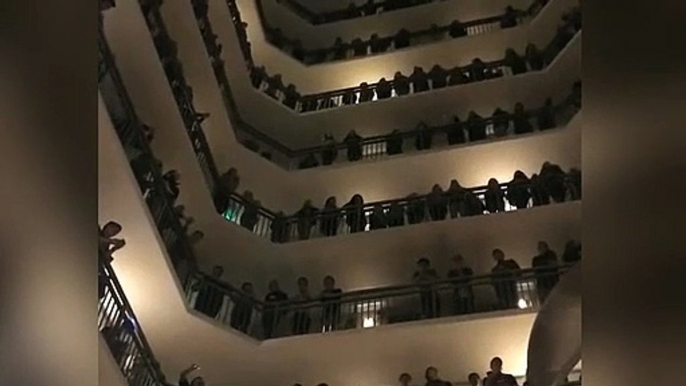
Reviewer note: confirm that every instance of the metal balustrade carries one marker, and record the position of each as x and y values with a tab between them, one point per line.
508	290
373	148
123	334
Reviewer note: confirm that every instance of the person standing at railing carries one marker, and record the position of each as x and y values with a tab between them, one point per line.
477	70
474	379
330	152
396	215
280	228
331	304
424	277
572	252
171	179
456	199
463	295
383	89
501	122
476	127
250	214
455	132
416	209
272	313
419	80
546	116
539	194
437	201
307	218
534	58
353	143
504	275
573	184
378	220
107	243
553	179
394	143
291	96
438	76
355	215
401	84
402	39
432	379
521	120
241	314
518	190
496	377
329	219
423	137
228	183
494	197
545	266
456	29
509	18
515	62
301	317
210	296
457	76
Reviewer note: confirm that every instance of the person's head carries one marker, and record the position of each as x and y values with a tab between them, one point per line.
542	247
174	174
198	381
519	175
423	263
307	204
273	286
357	199
546	164
398	74
405	379
233	171
378	209
493	184
531	48
477	61
217	271
437	189
329	282
247	195
363	85
458	260
247	288
330	202
496	365
498	255
383	80
510	52
374	36
303	285
323	384
111	229
474	379
454	184
431	373
472	115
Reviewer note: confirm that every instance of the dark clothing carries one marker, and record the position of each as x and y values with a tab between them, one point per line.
349	98
210	298
553	179
535	60
500	380
423	138
456	30
522	124
427	295
383	90
394	144
546	118
249	217
355	217
366	94
463	295
420	81
438	206
353	143
501	122
456	76
539	194
328	225
329	154
378	221
518	193
271	314
306	219
516	63
476	126
546	273
280	229
477	71
301	318
395	216
509	19
505	283
472	205
439	77
571	255
331	309
401	85
437	382
416	211
495	200
402	39
308	162
241	314
172	186
455	133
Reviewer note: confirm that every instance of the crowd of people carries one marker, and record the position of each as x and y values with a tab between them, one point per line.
420	80
459	281
550	185
376	44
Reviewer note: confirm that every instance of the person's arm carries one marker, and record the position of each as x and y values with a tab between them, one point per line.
183	377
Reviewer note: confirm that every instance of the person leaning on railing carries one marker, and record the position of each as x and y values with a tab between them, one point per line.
437	201
424	277
504	276
463	294
518	190
329	219
306	219
494	197
545	269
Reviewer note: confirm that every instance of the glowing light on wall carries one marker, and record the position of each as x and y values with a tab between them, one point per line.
368	323
522	304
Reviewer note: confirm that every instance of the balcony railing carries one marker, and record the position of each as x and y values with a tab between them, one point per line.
317	223
123	334
334	311
361	48
373	148
146	168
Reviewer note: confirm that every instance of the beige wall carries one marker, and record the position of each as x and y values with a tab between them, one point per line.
341	74
384	24
346	358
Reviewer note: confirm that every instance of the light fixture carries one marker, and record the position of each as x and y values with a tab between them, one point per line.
368	323
522	304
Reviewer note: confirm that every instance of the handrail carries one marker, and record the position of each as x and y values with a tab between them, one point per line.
123	333
373	147
518	289
361	48
144	165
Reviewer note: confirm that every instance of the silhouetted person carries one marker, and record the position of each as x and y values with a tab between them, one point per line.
353	143
396	215
416	209
455	132
546	116
477	70
330	216
456	199
463	295
257	76
494	197
369	8
504	275
405	379
545	269
340	49
419	80
476	127
474	379
272	312
573	184
518	190
250	215
394	143
274	85
424	277
423	137
401	84
171	179
401	39
457	76
521	120
227	184
307	218
349	97
376	44
496	377
432	379
366	93
355	216
196	381
309	103
383	89
301	317
553	179
330	151
534	58
509	19
107	244
331	307
210	296
310	161
280	228
359	47
473	205
456	29
572	252
516	63
539	194
437	201
241	314
291	96
438	76
377	220
501	122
